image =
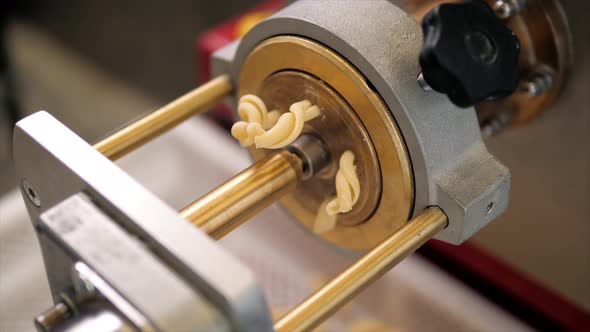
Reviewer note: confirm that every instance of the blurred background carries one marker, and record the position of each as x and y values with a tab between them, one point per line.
97	64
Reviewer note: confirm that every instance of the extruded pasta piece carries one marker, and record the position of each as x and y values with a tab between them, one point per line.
252	109
323	221
288	127
348	186
254	119
284	129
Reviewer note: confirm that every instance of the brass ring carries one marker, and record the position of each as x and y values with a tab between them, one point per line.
274	59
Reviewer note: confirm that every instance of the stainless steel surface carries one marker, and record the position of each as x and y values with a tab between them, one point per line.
99	287
451	165
120	262
70	165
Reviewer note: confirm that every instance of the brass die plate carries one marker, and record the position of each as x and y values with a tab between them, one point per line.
286	68
282	89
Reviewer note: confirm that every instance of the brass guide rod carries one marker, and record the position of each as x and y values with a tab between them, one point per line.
165	118
237	200
318	307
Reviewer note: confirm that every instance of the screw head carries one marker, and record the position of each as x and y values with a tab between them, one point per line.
504	9
539	82
31	193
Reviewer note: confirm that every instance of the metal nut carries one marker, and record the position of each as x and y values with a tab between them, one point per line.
506	9
539	82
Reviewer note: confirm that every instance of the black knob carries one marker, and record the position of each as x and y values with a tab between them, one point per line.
468	53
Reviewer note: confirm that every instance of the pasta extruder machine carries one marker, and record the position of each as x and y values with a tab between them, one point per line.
408	92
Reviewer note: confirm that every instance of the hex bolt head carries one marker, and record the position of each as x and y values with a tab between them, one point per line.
506	9
539	82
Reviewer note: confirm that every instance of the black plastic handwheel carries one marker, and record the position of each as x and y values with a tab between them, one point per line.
468	53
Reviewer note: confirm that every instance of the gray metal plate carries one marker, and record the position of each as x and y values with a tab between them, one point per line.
58	164
166	301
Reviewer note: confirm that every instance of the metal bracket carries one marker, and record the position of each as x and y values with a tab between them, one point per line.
443	141
125	272
57	164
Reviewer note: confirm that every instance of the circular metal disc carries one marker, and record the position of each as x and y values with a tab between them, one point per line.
283	70
279	91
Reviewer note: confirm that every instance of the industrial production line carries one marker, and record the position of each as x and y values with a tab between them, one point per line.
372	143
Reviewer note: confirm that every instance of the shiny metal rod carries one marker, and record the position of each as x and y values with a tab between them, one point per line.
321	305
165	118
237	200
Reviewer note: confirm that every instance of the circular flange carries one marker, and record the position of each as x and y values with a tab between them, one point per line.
282	89
283	69
545	49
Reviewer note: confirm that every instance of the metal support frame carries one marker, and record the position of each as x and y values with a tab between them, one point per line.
452	167
124	271
57	164
95	220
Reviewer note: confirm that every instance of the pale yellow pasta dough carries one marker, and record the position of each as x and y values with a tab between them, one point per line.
288	127
323	221
255	120
348	186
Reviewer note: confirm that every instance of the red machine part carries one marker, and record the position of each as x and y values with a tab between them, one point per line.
517	293
223	34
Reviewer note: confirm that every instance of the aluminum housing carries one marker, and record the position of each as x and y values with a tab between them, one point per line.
452	167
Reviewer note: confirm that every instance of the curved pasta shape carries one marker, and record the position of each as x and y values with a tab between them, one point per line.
323	221
348	186
252	109
245	132
255	119
288	126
